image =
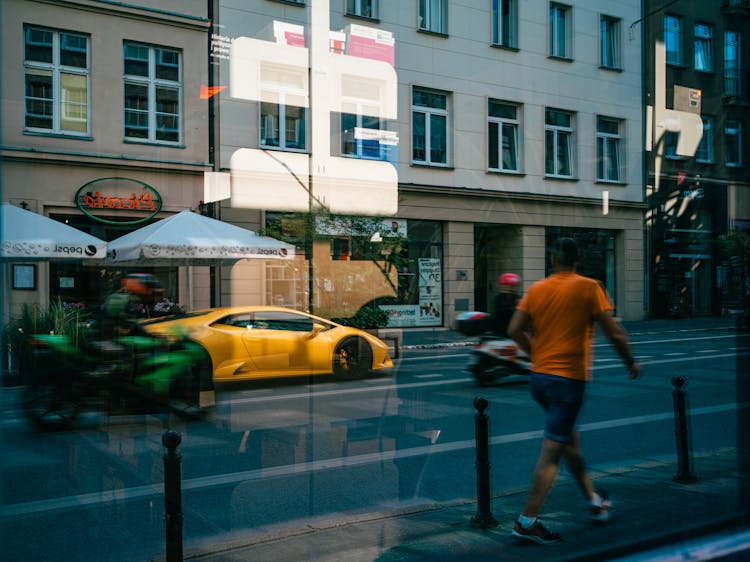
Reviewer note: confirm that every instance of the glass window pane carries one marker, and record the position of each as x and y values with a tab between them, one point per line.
703	49
510	150
73	103
167	100
607	126
136	60
704	152
38	45
167	65
136	111
39	99
73	50
503	110
557	118
438	139
493	148
673	39
348	123
269	124
294	127
612	160
549	152
418	137
563	154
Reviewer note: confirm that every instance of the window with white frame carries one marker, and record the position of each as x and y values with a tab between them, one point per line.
732	67
559	30
56	81
359	135
608	149
703	49
433	15
503	136
283	121
362	8
673	39
558	143
733	143
505	23
705	151
429	127
153	93
609	42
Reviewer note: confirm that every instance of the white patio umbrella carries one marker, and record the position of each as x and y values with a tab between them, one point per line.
29	236
188	238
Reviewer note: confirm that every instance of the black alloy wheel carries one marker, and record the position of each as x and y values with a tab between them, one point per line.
352	359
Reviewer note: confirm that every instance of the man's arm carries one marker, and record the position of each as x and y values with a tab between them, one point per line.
517	330
619	340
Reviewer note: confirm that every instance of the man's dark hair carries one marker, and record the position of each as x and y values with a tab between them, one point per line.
566	251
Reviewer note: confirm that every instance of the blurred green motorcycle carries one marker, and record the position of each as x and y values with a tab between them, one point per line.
128	374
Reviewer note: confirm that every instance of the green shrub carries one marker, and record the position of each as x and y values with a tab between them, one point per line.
58	318
368	317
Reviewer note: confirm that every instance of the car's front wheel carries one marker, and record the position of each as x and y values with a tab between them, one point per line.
352	359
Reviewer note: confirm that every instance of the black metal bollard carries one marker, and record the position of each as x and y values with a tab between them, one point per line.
172	495
684	474
483	518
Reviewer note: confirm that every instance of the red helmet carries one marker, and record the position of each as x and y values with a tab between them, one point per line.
509	280
140	284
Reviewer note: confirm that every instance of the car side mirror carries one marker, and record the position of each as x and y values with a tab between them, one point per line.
316	329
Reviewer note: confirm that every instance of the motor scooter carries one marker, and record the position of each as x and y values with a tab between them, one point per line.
494	356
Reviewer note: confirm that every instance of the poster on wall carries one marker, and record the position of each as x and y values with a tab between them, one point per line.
402	315
430	292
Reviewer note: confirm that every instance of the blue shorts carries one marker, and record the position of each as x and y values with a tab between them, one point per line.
561	398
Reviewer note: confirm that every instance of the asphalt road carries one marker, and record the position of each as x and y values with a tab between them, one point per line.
283	453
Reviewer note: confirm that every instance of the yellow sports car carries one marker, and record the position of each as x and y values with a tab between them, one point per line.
252	342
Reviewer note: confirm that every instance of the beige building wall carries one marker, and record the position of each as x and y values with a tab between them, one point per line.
45	170
458	260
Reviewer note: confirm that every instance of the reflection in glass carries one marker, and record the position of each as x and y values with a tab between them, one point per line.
73	102
39	98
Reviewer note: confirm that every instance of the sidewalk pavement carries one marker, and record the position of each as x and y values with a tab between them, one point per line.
650	510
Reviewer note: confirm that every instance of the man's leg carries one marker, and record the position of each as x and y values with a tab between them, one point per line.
544	475
577	467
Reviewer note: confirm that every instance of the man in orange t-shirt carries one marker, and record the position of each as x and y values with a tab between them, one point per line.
562	310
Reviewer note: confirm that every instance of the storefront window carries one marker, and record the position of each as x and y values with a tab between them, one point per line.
360	177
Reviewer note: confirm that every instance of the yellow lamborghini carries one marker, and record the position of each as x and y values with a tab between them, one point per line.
253	342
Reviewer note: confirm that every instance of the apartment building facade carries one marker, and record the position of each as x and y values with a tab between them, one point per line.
516	122
696	200
102	98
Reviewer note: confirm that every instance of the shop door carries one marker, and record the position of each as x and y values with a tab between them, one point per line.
692	284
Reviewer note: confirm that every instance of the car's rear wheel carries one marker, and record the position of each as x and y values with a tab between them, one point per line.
352	359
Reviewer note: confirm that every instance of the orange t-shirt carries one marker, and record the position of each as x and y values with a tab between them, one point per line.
562	309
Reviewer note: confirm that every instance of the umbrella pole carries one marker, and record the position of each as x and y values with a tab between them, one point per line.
189	288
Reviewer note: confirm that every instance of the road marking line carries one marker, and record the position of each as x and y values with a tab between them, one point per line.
203	482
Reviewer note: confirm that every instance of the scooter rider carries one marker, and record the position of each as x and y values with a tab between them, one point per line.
505	303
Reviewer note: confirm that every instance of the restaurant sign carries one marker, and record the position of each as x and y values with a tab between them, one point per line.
120	201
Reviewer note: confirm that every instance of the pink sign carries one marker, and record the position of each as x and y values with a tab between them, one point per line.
371	43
